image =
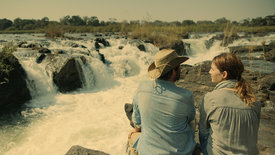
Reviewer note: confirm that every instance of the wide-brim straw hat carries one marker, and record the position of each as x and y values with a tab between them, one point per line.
165	60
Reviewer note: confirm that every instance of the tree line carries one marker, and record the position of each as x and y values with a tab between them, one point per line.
32	24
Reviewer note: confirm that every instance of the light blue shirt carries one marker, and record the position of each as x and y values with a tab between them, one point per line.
164	111
227	125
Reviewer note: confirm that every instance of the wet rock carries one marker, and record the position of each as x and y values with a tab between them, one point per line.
97	46
21	43
141	48
209	43
13	87
102	57
128	108
40	58
44	50
120	47
61	52
79	150
69	78
179	48
33	46
185	36
102	41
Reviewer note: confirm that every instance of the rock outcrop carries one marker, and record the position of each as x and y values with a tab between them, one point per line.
70	76
13	87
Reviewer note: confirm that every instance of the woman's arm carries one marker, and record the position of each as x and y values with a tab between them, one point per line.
203	127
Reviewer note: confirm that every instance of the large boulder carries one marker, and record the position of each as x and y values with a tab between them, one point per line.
13	87
70	76
178	46
79	150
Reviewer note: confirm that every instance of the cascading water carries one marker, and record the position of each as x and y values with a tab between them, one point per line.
92	117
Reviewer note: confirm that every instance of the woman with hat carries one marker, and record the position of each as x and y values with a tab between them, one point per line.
162	111
229	115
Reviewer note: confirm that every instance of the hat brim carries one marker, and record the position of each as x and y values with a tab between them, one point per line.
155	72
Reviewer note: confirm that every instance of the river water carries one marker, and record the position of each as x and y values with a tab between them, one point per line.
92	117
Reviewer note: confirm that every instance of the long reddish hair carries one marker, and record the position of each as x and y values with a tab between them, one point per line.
234	67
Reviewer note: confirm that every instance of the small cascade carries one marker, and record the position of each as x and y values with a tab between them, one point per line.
87	79
39	80
198	51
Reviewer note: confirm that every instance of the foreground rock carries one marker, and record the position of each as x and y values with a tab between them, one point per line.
79	150
13	87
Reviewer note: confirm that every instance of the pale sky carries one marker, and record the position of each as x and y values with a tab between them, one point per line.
150	10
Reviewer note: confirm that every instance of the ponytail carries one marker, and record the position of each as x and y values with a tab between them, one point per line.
243	89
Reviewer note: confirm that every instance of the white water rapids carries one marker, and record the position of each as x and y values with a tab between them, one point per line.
92	117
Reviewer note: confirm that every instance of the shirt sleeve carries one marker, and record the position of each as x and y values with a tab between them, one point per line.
192	113
136	113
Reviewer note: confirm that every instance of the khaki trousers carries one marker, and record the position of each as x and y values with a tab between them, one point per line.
132	140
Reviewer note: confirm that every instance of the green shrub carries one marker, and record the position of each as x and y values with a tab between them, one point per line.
4	54
54	31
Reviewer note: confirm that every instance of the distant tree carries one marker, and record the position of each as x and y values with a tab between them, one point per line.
5	23
102	23
270	20
188	22
222	20
235	23
245	22
76	21
45	20
93	21
259	21
42	23
18	23
158	23
65	20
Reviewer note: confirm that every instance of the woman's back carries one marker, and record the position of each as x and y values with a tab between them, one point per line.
234	125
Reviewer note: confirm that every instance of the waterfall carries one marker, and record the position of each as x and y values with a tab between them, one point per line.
39	79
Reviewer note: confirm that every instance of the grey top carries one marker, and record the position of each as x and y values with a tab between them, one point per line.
230	125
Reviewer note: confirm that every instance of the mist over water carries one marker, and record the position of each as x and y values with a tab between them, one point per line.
93	116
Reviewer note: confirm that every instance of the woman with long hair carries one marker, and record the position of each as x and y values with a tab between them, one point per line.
229	115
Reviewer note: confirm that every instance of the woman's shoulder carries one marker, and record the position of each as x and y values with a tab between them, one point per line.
218	96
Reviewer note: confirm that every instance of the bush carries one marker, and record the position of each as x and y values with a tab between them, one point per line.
4	54
54	31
